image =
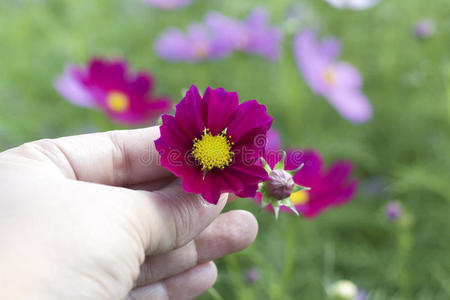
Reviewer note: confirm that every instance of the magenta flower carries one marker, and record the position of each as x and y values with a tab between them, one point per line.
339	82
109	86
328	188
214	143
198	43
253	35
169	4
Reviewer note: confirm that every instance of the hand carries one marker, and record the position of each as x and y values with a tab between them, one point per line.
95	217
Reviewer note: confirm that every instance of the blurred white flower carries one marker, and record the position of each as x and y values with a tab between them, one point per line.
343	290
353	4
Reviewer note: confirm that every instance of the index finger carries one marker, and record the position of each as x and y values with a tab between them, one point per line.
119	158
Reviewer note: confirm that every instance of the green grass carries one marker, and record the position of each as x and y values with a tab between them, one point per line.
404	148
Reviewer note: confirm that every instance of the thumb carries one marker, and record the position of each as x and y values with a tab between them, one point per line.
170	218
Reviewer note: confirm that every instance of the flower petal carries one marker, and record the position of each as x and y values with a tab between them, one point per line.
190	114
71	87
250	118
351	104
330	48
172	136
222	107
310	174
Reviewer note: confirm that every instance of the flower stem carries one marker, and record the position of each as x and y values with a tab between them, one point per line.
289	260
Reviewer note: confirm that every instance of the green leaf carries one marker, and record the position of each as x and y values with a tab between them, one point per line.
276	204
288	203
300	188
265	200
280	164
276	210
266	166
293	172
294	210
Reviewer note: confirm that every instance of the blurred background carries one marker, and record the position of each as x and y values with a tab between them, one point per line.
402	154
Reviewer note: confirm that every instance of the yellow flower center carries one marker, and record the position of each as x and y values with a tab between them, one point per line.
300	197
117	101
329	76
213	151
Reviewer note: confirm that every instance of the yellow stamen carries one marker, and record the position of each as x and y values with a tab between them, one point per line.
300	197
329	76
213	151
117	101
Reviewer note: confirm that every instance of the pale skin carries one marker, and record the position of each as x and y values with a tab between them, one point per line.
95	217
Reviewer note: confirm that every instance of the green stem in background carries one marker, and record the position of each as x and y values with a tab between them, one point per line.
241	291
446	78
278	290
329	262
404	243
214	294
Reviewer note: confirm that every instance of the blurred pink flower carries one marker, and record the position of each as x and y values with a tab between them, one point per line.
109	86
169	4
219	36
339	82
253	35
197	44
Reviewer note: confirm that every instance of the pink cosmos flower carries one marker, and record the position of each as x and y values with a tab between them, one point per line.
339	82
197	44
109	86
169	4
253	35
219	36
213	143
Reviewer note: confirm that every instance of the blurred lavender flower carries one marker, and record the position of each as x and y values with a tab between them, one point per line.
169	4
230	30
252	35
262	39
353	4
252	275
339	82
393	210
219	36
424	28
198	43
361	295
